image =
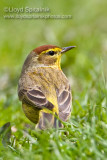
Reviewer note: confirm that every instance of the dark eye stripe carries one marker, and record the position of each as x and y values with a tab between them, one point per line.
51	53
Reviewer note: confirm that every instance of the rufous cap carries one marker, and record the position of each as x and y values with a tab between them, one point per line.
40	49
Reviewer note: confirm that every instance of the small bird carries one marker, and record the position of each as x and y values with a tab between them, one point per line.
44	89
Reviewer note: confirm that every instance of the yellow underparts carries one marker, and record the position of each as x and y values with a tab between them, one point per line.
58	61
52	97
32	113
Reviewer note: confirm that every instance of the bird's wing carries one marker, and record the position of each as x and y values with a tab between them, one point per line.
35	97
64	104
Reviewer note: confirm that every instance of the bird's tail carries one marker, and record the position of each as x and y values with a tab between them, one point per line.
48	120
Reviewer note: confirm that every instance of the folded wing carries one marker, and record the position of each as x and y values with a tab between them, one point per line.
35	97
64	103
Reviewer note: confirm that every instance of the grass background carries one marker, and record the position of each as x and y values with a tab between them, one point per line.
85	135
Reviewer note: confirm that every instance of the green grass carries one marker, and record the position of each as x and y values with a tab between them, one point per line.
84	136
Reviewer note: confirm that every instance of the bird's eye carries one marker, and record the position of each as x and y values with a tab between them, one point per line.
51	53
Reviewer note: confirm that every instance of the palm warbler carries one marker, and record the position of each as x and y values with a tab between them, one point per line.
43	88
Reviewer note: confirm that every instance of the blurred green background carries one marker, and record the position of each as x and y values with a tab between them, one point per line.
85	66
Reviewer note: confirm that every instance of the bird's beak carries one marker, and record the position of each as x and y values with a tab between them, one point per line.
65	49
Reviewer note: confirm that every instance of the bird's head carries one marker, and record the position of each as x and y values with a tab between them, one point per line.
50	55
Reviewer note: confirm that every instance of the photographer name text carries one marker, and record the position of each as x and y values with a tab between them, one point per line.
26	10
